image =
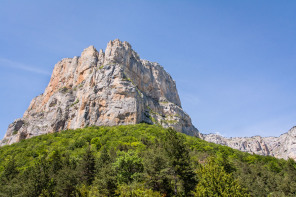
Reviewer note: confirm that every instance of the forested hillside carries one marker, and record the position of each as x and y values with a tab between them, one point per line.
137	160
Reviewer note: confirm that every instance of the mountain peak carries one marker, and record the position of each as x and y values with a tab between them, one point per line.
114	87
89	51
120	52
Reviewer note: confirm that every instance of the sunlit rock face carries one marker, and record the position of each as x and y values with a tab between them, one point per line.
283	146
114	87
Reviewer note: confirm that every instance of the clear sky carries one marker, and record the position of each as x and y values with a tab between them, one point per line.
234	62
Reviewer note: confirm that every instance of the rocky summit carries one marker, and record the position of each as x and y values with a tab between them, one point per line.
283	146
116	87
109	88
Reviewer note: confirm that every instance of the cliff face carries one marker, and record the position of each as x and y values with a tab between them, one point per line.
114	87
283	146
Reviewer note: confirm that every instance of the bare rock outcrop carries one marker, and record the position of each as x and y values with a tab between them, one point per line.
114	87
283	146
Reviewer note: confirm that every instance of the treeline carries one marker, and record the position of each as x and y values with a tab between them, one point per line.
137	160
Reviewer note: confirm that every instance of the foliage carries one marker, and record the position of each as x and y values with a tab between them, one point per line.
158	171
215	181
129	167
87	167
136	190
77	101
137	160
180	161
64	89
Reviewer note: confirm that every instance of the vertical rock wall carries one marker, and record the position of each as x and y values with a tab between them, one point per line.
114	87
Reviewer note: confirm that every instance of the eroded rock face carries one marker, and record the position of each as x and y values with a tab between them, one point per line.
283	146
114	87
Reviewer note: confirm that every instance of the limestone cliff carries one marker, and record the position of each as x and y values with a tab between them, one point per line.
114	87
283	146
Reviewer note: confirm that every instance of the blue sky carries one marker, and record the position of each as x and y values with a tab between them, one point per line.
234	62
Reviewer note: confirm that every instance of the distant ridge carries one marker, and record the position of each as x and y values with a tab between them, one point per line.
283	146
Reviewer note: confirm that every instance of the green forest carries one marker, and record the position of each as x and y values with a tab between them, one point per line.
137	160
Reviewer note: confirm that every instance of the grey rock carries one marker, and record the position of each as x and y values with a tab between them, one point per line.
283	146
114	87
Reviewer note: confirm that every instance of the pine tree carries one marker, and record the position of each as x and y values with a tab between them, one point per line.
104	158
180	159
36	178
105	182
158	173
87	167
67	180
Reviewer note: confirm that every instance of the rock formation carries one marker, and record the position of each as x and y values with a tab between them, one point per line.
114	87
283	146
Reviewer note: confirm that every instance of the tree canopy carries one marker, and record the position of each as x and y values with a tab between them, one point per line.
137	160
